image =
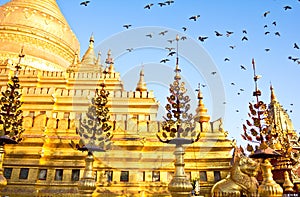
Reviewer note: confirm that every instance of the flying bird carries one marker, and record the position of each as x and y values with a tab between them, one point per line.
277	33
274	23
85	3
127	26
228	33
287	7
226	59
266	13
169	2
244	38
163	32
183	38
194	17
170	48
170	41
243	67
214	72
149	35
164	60
232	46
148	6
296	46
293	58
184	28
218	33
267	49
265	26
267	32
161	4
202	38
244	31
232	83
129	49
171	53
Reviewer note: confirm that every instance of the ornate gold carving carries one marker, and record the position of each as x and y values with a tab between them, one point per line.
241	179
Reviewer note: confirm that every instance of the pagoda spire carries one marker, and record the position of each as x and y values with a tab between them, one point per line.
74	66
89	56
177	69
141	85
110	61
98	62
201	111
273	96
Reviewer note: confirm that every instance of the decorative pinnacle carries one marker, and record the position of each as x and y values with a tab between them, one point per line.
200	96
92	38
273	96
21	55
201	111
257	92
109	59
98	59
177	69
141	86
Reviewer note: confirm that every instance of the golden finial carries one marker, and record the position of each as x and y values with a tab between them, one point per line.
92	41
273	96
177	69
92	38
109	59
257	92
21	55
141	86
201	111
98	59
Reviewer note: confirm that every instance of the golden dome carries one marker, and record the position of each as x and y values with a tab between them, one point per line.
39	26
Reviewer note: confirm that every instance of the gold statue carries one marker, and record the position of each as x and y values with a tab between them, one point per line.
241	179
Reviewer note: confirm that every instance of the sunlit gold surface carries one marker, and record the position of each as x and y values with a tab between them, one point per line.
40	27
3	181
268	187
241	179
53	100
87	184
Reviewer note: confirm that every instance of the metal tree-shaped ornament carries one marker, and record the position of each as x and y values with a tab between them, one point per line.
178	129
11	118
95	135
257	130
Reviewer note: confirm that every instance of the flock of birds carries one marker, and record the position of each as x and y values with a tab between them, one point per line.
171	51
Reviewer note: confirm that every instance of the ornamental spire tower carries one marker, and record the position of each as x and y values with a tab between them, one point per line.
201	111
141	85
89	56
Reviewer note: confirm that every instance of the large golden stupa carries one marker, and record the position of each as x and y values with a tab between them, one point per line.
40	27
57	86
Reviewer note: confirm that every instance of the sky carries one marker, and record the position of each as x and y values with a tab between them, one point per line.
198	60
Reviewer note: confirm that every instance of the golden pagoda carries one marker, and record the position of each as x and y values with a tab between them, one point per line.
57	87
